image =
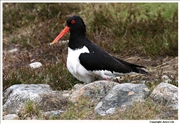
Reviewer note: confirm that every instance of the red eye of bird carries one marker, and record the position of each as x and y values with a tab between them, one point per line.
72	21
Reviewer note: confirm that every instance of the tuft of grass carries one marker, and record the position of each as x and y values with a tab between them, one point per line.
30	110
81	110
52	102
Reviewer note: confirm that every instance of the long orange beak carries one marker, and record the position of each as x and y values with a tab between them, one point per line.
61	34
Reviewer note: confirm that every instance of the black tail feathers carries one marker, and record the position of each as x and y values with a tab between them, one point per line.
141	71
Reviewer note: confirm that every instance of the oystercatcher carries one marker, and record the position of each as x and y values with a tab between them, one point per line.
86	60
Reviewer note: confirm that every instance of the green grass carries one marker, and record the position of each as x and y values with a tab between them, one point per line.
31	109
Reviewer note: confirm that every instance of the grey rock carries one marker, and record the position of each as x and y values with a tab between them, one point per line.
52	114
166	79
95	90
66	93
78	86
10	117
120	97
166	93
15	96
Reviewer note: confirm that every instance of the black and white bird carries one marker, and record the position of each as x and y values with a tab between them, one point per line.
86	60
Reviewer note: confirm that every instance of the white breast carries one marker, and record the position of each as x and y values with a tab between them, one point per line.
74	66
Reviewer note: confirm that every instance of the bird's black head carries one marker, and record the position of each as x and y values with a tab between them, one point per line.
76	24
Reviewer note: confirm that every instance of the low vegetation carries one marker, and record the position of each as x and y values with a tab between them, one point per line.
147	110
146	30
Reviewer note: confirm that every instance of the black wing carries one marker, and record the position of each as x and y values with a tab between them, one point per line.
93	61
98	59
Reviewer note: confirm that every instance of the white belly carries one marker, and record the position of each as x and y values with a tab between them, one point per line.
74	66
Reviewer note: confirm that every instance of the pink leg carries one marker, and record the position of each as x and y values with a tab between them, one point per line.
107	79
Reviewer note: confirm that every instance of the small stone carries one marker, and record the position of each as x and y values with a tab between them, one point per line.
143	81
166	79
35	65
52	114
146	89
66	93
11	117
64	41
13	50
